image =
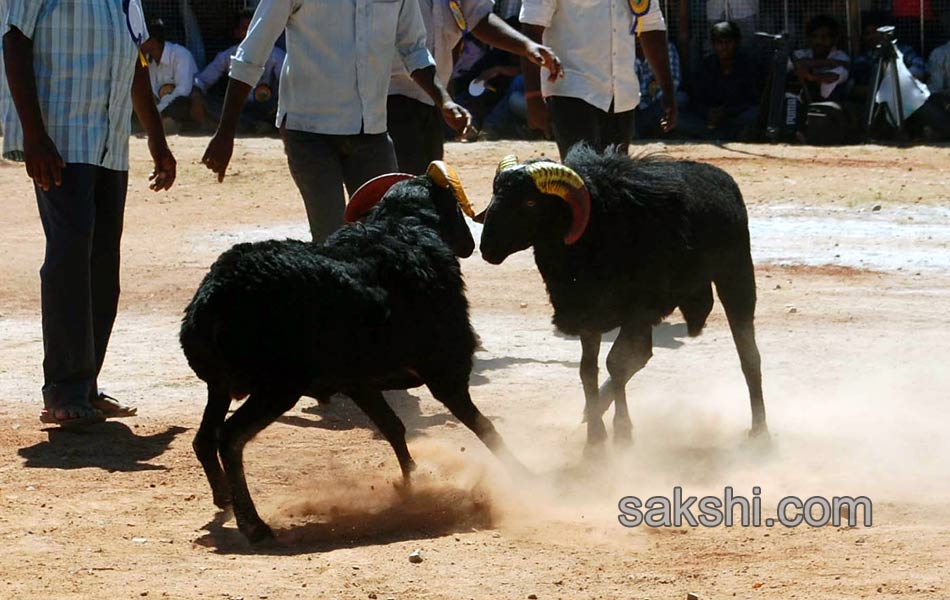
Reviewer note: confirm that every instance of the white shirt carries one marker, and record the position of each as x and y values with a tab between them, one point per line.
835	54
339	59
443	33
731	10
177	67
593	39
217	68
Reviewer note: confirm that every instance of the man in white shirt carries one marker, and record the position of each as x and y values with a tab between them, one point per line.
172	71
332	102
595	100
414	123
261	105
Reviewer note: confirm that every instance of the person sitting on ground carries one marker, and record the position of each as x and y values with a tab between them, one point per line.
862	70
650	109
172	71
724	96
260	109
938	65
822	67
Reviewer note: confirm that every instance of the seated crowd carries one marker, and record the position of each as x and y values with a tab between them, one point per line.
721	94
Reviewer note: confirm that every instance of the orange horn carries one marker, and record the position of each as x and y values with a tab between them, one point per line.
368	194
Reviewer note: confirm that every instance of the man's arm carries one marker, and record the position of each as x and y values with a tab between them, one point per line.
455	115
163	176
43	162
657	53
495	32
214	71
538	117
270	20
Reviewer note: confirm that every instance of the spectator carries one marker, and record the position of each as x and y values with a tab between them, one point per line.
73	72
862	70
822	67
260	109
650	109
743	13
332	105
414	123
727	88
939	68
172	71
596	99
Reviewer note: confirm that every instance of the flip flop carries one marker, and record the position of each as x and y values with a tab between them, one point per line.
112	408
49	417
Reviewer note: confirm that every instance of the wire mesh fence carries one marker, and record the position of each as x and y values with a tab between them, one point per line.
205	27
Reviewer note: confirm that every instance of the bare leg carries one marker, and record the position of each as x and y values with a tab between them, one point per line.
630	353
257	412
205	443
737	294
382	415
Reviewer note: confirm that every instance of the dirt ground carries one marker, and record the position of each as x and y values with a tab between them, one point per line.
852	247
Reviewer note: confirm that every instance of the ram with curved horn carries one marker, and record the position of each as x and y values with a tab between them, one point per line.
380	305
623	242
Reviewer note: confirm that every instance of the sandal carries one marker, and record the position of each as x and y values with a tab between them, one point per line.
112	408
71	415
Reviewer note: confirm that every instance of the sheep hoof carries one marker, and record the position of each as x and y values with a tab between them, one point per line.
759	432
258	533
223	501
623	437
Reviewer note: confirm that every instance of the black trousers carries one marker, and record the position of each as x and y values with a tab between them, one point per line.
416	131
574	120
79	280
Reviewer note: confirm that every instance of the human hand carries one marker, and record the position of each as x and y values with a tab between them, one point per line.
544	56
459	119
163	175
44	165
670	113
218	154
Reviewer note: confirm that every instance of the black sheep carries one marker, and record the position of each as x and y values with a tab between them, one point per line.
622	242
380	305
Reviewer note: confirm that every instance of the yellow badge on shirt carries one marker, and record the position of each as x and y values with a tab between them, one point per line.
639	7
456	7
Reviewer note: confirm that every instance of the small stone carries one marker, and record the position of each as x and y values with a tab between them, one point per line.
139	540
372	596
757	585
143	594
692	596
524	305
532	597
496	535
415	556
792	310
877	208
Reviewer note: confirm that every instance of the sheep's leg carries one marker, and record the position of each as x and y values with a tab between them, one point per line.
630	353
205	443
593	408
457	399
257	412
382	415
737	294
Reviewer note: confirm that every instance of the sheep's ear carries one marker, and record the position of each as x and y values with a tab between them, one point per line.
369	194
445	176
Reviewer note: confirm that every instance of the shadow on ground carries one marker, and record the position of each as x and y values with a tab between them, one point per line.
110	446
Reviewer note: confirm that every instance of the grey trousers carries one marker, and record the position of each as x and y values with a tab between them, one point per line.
79	280
322	165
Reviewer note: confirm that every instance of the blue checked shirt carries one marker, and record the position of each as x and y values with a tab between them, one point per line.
646	77
84	59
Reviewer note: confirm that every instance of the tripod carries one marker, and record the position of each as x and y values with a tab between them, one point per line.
774	96
887	59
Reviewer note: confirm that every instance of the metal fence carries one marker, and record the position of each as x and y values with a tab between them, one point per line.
205	27
924	24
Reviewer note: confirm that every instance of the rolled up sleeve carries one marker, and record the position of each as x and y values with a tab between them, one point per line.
411	38
653	20
270	19
537	12
22	14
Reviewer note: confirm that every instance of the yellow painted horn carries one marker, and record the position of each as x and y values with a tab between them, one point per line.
506	163
445	176
565	183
